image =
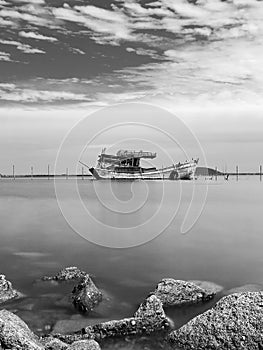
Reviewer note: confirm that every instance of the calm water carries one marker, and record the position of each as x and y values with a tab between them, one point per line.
224	246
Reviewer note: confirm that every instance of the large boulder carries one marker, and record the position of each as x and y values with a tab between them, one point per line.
66	274
236	322
15	334
6	290
86	296
85	345
177	292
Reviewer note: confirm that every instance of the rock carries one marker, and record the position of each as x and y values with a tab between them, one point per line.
86	296
245	288
51	343
73	325
152	313
15	334
209	287
84	345
149	317
176	292
6	290
236	322
66	274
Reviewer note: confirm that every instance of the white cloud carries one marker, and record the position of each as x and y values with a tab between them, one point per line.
218	73
9	93
105	25
37	2
37	36
4	56
6	23
144	52
77	51
17	15
22	47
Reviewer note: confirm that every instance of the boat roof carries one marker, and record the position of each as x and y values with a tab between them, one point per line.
135	154
125	154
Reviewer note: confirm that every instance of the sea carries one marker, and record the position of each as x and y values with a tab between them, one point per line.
127	236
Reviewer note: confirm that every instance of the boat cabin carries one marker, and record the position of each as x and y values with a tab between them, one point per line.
124	160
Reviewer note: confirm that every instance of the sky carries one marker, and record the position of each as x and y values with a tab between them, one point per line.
61	60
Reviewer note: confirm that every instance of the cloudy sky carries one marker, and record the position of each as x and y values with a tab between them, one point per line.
201	59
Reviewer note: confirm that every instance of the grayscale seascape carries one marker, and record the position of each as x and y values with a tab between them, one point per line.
131	174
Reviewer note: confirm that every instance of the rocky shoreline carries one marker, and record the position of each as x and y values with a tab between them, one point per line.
234	322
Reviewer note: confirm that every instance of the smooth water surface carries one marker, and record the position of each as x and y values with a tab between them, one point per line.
224	246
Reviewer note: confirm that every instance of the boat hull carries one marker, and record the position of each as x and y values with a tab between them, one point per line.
184	172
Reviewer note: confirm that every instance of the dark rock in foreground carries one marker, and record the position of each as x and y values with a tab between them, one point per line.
235	323
84	345
6	290
66	274
150	317
176	292
86	296
15	334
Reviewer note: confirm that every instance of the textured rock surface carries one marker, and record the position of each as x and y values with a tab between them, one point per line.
86	296
84	345
149	317
6	290
176	292
235	323
15	334
66	274
51	343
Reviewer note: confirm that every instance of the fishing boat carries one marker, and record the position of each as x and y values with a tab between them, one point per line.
125	165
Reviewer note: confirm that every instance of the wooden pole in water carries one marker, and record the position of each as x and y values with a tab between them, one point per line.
48	172
14	176
216	173
32	172
260	172
67	173
82	173
237	172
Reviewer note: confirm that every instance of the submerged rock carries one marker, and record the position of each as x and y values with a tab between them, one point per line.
176	292
209	287
66	274
74	325
86	296
149	317
236	322
84	345
15	334
6	290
